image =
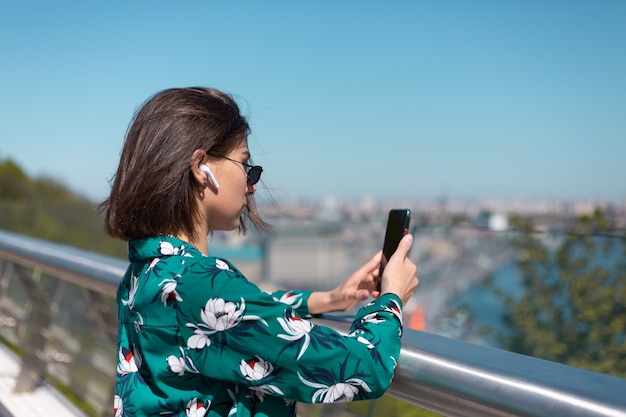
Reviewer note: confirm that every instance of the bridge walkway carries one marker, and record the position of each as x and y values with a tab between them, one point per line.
44	401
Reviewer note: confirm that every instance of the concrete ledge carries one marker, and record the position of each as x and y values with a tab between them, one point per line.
45	401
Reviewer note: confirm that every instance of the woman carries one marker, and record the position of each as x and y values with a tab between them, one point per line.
195	337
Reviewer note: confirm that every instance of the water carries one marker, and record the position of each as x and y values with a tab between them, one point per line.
478	312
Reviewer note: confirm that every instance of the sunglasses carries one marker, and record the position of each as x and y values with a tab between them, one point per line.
253	172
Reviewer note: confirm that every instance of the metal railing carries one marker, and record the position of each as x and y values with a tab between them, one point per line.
450	377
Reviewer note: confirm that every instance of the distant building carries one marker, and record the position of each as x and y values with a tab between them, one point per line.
307	258
497	222
248	259
300	254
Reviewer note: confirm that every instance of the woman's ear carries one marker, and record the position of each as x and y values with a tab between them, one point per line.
198	158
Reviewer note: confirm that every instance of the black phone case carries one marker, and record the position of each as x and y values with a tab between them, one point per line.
397	226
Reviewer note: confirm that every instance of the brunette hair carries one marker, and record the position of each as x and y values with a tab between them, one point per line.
153	191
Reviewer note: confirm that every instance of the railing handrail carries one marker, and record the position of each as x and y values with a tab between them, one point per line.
448	376
87	269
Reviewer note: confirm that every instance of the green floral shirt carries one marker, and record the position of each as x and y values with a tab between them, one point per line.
196	338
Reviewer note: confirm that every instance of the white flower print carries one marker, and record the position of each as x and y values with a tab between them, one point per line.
198	340
139	323
290	298
337	393
341	392
221	265
261	390
176	365
179	365
395	309
118	406
257	370
365	342
134	284
166	248
372	318
296	328
218	315
152	264
128	361
233	396
197	408
221	315
358	335
168	292
394	360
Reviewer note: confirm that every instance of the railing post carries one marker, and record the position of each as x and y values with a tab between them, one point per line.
106	316
38	323
106	313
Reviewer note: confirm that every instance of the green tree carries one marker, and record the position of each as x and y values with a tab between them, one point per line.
573	306
14	183
46	209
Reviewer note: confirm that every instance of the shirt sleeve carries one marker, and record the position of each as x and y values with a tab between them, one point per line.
296	299
238	333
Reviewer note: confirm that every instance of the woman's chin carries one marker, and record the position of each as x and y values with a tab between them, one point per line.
231	227
226	225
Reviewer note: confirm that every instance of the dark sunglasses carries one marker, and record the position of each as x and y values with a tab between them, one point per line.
253	172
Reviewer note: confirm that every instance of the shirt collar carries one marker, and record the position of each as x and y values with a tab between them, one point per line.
147	248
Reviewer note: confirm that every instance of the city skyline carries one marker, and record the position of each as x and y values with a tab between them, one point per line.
409	100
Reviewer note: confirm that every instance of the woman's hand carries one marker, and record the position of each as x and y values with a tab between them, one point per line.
358	287
398	278
399	275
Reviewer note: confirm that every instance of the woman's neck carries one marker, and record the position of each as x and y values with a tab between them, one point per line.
201	243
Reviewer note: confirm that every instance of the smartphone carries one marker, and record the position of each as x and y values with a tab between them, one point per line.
397	228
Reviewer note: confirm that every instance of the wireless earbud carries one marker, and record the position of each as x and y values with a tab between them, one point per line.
204	168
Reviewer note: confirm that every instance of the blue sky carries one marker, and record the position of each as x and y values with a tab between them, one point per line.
351	99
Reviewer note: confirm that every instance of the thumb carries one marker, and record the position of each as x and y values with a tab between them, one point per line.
362	294
404	246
